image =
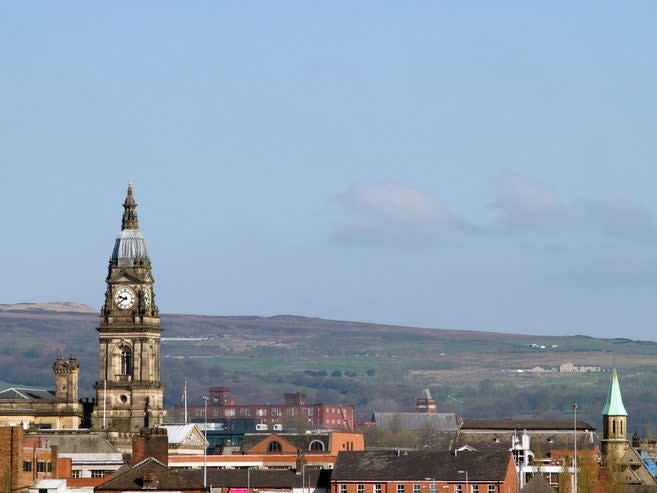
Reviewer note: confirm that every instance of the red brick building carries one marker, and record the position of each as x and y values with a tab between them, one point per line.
269	416
424	472
23	460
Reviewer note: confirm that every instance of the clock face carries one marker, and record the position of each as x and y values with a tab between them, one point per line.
124	298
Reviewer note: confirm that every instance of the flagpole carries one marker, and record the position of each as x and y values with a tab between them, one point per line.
185	398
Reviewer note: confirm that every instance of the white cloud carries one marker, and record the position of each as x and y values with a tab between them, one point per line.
397	203
525	204
620	218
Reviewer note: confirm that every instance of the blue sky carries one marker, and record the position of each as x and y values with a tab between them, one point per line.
473	165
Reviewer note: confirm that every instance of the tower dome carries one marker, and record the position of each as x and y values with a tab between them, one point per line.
129	244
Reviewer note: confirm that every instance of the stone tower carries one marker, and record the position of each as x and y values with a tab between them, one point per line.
614	421
66	380
129	394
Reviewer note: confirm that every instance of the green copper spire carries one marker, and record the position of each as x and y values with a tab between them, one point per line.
614	406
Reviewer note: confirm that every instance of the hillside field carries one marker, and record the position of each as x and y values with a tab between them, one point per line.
374	367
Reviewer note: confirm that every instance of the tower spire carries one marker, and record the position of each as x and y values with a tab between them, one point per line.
614	405
129	220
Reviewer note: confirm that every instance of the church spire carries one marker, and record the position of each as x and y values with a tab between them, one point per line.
129	220
614	406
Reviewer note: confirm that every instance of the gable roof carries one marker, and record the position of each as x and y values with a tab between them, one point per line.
537	484
134	478
179	434
418	465
27	394
415	421
295	440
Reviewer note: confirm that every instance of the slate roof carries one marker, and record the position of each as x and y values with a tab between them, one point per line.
132	478
414	421
545	435
538	484
76	443
419	465
27	394
263	478
524	424
544	440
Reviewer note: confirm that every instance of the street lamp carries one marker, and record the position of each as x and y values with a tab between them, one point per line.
575	447
466	479
205	444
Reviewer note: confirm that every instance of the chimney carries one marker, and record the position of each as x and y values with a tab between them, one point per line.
151	442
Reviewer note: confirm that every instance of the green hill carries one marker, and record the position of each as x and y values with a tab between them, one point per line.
374	367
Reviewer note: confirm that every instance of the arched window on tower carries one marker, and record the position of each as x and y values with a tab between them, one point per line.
613	427
126	362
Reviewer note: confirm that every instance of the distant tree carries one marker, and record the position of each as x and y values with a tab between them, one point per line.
587	474
297	422
371	372
336	373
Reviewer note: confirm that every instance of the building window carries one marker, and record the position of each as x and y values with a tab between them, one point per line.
277	412
360	488
416	488
27	466
43	490
75	473
475	488
41	466
245	412
126	361
491	488
229	412
433	488
343	488
316	445
261	412
49	466
458	488
400	488
377	488
274	447
309	411
97	474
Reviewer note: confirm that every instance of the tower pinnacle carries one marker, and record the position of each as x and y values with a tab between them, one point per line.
129	220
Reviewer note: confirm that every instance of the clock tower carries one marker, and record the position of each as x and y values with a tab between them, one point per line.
129	394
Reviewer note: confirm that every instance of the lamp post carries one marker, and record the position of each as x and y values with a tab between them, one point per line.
575	447
248	480
466	480
205	445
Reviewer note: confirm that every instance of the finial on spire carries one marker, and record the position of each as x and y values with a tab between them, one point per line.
129	220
